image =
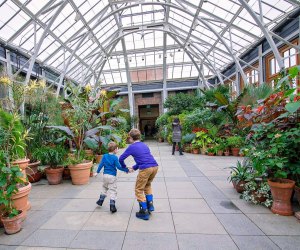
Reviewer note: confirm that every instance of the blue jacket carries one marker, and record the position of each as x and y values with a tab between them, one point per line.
141	154
110	163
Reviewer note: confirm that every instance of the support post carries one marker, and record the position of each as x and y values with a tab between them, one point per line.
260	65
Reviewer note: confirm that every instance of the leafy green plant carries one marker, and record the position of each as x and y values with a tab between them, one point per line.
201	140
52	156
10	178
235	141
258	193
241	172
188	138
13	142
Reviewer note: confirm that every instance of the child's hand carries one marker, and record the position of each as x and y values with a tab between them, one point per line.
130	170
95	174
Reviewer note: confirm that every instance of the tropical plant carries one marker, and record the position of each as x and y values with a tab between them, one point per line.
201	140
49	155
13	142
254	94
188	138
10	178
241	172
181	102
235	141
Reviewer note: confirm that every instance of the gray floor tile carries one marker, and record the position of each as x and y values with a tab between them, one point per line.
254	242
182	190
106	221
251	208
205	242
272	224
67	220
122	204
80	205
15	239
150	241
158	223
189	206
197	223
98	240
50	238
287	242
5	247
238	224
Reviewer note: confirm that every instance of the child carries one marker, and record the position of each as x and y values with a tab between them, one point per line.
147	166
110	163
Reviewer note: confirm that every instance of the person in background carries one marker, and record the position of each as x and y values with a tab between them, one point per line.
147	166
176	135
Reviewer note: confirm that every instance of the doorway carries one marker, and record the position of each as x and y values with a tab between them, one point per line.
147	117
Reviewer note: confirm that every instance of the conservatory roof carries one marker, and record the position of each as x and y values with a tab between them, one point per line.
121	41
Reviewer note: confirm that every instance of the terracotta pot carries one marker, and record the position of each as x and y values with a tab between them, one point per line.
235	151
35	177
195	151
177	148
297	193
282	190
80	173
220	153
23	164
32	172
54	175
98	158
20	199
210	154
239	186
13	225
1	211
66	174
226	153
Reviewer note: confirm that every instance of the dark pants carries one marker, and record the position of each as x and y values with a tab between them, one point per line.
179	145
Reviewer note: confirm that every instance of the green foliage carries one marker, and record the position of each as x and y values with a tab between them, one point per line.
13	142
258	193
188	138
274	151
10	178
235	141
201	140
181	102
252	94
162	120
241	172
52	156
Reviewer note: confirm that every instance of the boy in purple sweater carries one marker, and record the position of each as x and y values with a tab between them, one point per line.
147	166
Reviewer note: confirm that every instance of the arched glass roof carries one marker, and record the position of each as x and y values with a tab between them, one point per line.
117	41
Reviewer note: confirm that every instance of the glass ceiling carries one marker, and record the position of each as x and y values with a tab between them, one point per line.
111	40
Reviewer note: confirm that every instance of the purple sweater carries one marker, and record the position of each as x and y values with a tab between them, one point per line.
141	154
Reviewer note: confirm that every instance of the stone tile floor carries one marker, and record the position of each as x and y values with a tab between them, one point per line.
196	208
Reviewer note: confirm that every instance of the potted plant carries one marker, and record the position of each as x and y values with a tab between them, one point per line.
201	140
211	151
10	179
240	175
235	142
52	158
258	192
12	143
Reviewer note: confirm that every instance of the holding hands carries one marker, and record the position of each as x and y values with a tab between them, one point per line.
130	170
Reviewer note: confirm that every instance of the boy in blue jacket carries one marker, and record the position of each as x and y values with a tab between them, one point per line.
110	162
147	166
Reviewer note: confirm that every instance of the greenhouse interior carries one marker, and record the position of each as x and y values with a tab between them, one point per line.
149	124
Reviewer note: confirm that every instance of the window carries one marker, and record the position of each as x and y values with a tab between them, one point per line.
147	95
252	76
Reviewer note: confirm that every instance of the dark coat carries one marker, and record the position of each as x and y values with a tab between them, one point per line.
176	135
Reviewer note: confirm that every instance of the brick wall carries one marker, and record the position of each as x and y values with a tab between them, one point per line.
139	100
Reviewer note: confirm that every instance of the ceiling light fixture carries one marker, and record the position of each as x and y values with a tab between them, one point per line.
77	17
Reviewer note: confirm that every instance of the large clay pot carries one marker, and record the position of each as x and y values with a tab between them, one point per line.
297	193
23	164
80	173
195	151
32	172
20	199
282	190
98	158
226	153
13	225
54	175
235	151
